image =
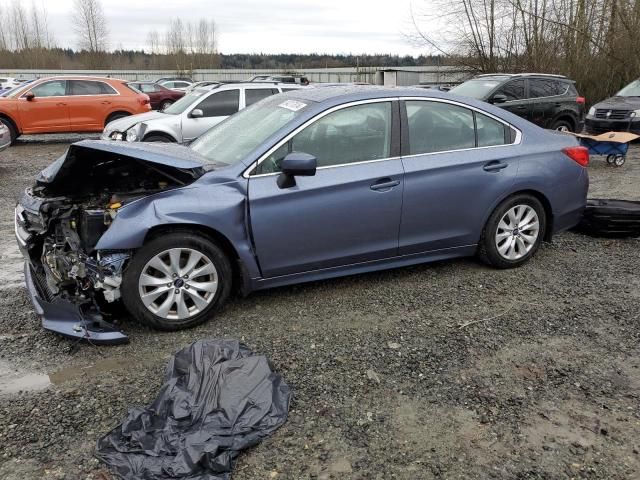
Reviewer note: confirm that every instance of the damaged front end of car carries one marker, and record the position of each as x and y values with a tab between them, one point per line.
75	287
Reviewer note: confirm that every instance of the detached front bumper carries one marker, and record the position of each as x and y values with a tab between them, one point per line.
59	315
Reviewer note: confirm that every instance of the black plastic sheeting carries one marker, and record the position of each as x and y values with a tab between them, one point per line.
611	218
218	398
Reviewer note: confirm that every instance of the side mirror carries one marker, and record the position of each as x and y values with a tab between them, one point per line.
296	164
30	96
498	98
196	113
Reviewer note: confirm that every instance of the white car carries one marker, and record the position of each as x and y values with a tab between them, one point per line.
180	85
5	137
8	82
193	114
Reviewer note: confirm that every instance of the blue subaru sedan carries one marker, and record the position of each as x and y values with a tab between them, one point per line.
307	185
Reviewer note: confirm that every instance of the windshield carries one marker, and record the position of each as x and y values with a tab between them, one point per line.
631	90
184	103
476	88
231	141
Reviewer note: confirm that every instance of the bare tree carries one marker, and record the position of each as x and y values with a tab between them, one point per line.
90	25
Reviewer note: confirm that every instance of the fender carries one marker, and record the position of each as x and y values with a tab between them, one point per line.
217	206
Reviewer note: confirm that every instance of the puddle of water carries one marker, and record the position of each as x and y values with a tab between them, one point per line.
74	373
11	261
12	381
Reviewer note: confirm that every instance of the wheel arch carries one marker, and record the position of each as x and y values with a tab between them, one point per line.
159	133
8	117
566	116
548	210
241	278
114	113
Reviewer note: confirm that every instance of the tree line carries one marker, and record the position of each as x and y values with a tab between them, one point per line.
594	42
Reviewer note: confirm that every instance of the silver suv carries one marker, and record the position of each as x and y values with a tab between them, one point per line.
193	114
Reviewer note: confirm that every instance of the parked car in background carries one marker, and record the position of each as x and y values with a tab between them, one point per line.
69	104
9	82
192	115
618	113
166	79
160	97
550	101
5	137
178	85
309	185
299	79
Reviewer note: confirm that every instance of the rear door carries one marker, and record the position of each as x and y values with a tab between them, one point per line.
48	111
545	100
90	102
254	95
215	108
458	162
349	212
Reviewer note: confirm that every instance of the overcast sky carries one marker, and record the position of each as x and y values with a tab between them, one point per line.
253	26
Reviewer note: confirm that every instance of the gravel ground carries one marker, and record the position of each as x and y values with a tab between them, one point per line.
543	382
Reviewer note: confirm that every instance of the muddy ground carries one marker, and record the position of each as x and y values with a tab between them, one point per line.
543	382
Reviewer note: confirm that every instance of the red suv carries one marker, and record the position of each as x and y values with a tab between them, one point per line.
161	97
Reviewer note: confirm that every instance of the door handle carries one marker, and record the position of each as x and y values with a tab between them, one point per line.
106	103
521	107
385	184
61	104
494	166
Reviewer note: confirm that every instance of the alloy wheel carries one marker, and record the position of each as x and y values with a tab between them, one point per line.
517	232
178	283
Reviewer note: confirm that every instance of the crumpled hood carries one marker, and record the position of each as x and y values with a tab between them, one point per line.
170	155
125	123
619	103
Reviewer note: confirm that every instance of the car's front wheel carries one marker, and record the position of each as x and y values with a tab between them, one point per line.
176	281
513	232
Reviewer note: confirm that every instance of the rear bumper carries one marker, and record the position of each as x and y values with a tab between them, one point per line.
598	126
66	318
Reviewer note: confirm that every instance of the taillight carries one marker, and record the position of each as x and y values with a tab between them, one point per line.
580	155
581	100
144	100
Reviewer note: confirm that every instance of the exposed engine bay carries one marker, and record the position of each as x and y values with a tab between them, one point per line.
60	220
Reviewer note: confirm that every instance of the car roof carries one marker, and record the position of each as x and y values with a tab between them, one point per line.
81	77
514	75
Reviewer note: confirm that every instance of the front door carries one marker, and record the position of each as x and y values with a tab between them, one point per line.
457	164
348	213
48	111
215	108
517	101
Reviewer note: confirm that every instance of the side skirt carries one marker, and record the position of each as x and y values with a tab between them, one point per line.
365	267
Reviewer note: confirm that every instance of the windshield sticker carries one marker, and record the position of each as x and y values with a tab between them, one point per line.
293	105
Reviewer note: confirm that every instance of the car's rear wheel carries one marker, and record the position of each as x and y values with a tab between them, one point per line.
513	232
562	126
166	104
176	281
115	116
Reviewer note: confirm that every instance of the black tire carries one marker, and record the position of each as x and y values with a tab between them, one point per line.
488	250
158	138
115	116
610	159
13	133
165	104
619	160
177	239
563	126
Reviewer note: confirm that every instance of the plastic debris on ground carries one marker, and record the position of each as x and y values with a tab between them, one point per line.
218	399
611	218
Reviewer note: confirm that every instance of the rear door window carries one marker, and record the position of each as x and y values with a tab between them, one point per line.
54	88
86	87
221	104
254	95
490	131
439	127
513	90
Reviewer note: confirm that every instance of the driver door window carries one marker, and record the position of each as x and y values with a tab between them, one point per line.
56	88
221	104
350	135
514	90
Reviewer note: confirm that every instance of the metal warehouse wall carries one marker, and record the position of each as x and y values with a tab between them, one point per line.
375	75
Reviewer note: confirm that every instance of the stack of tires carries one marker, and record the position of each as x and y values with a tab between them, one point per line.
611	218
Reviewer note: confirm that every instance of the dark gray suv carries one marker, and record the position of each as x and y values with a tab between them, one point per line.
550	101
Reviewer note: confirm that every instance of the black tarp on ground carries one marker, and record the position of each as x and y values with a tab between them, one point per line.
611	218
218	398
